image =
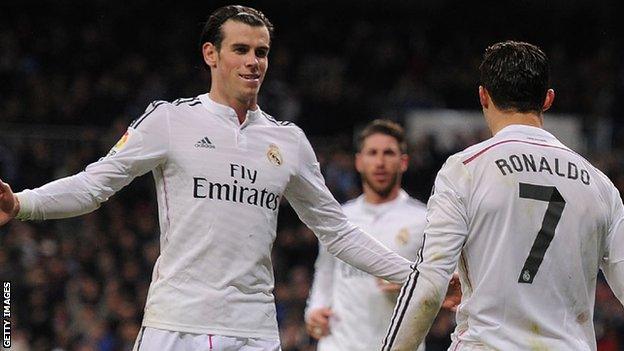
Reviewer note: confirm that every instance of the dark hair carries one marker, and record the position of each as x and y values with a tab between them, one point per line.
516	75
386	127
212	32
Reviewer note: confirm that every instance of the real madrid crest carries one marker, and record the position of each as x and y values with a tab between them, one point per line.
402	237
274	155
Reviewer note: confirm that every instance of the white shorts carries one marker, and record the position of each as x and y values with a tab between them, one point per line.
152	339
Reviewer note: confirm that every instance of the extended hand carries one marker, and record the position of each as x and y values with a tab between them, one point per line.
387	287
317	323
9	206
453	294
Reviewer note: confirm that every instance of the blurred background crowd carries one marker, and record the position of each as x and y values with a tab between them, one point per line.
74	74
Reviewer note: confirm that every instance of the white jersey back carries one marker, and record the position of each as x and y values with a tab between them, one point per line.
537	216
529	222
361	311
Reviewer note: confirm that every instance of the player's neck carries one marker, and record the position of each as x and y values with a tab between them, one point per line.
375	198
240	107
501	120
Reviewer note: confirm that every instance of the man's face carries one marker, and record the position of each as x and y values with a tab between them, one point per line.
381	163
238	68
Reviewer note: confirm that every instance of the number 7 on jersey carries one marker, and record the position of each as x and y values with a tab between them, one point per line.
556	204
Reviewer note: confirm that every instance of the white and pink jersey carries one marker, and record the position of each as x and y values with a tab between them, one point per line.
530	223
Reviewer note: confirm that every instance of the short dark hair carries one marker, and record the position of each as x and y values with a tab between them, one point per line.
386	127
516	75
213	33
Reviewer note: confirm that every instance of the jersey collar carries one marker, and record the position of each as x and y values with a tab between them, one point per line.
524	129
227	113
383	207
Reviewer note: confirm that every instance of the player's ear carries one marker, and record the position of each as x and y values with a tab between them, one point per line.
358	162
404	162
210	54
484	97
548	101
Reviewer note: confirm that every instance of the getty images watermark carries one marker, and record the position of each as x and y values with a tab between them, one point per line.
6	315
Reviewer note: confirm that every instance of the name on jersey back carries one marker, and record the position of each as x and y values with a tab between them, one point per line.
531	163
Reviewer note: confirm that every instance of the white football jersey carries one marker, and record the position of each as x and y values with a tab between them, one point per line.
530	222
219	184
361	311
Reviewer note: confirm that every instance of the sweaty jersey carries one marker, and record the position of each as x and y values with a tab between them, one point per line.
219	184
361	311
530	222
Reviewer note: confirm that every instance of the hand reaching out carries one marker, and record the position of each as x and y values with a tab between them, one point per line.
451	300
453	294
387	287
9	205
317	323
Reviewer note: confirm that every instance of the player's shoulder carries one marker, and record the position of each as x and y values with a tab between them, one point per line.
473	150
409	206
604	183
352	206
159	108
186	102
270	121
155	108
461	158
180	108
415	204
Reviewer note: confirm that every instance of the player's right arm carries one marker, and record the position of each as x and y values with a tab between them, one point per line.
140	150
445	234
318	309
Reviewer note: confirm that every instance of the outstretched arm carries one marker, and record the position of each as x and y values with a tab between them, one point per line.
317	208
141	149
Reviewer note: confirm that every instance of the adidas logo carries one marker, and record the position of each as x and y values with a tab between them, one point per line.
205	142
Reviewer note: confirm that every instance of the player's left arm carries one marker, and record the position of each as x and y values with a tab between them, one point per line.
613	257
317	208
422	295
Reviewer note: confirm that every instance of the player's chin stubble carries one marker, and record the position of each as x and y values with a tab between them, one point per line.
381	190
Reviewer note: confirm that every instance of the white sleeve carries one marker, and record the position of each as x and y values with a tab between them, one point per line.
322	285
613	260
446	231
317	208
141	149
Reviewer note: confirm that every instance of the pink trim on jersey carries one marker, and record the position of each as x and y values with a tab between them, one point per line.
468	160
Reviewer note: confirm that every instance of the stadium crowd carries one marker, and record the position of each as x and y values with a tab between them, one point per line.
75	74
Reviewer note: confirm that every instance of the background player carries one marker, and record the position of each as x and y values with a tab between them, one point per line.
221	166
529	221
349	309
